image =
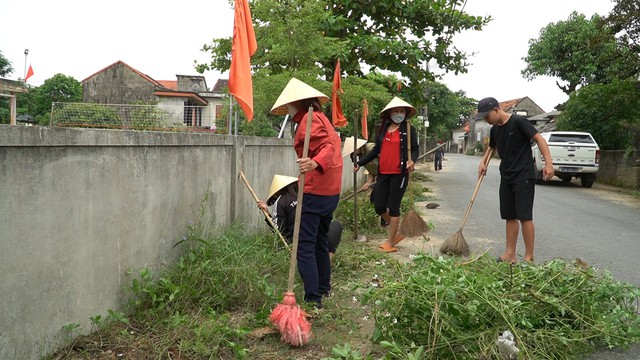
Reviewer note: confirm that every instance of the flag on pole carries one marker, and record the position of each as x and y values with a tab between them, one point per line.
338	118
243	46
29	73
365	114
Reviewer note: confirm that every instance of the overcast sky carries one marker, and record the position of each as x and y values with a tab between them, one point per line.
162	39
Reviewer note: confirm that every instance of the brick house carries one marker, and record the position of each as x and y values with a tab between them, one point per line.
187	98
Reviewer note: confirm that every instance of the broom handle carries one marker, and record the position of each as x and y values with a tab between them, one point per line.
349	196
296	226
475	193
408	159
266	214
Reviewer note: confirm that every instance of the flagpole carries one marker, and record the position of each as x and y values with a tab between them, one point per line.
230	117
355	177
26	53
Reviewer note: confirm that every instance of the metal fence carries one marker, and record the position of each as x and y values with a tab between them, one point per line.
133	117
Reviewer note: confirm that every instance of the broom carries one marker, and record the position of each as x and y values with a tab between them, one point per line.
266	214
412	223
288	317
456	243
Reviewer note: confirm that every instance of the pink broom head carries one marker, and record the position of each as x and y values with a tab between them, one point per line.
291	321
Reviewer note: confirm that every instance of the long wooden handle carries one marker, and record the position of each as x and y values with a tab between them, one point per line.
475	192
296	226
266	214
347	197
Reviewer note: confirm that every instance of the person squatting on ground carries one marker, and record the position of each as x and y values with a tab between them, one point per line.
511	135
363	148
283	196
393	165
438	156
322	186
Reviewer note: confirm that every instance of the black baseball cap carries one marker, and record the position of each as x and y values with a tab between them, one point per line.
485	105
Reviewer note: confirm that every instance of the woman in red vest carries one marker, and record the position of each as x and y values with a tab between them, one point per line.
394	166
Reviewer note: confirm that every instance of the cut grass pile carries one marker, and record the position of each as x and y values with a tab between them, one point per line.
558	310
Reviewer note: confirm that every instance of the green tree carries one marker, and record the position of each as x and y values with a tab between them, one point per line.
579	51
60	88
400	36
610	112
624	20
307	45
5	66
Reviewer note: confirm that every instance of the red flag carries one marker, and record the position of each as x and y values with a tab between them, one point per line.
244	45
29	73
339	120
365	114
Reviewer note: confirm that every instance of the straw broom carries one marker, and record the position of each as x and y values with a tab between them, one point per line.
456	243
264	212
412	223
288	317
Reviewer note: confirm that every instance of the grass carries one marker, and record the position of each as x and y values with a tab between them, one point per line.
215	301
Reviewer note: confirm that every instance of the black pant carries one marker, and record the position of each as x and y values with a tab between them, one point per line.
313	245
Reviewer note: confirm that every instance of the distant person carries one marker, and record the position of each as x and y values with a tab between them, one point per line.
438	156
283	196
511	135
323	182
394	166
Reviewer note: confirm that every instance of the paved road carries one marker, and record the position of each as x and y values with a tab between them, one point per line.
600	225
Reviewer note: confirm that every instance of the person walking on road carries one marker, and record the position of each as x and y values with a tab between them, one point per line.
438	156
511	135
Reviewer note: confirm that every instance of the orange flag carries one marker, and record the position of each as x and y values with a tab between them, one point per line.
244	45
29	73
339	120
365	114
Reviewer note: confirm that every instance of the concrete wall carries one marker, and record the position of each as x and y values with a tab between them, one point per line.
81	208
619	168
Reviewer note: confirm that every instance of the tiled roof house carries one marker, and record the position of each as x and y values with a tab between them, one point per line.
186	98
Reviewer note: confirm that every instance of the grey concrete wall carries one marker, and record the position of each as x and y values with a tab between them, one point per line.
82	208
619	168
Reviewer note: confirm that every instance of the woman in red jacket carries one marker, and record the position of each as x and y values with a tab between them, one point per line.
323	180
394	165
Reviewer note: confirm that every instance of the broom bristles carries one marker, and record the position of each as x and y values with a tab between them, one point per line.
291	321
455	245
413	224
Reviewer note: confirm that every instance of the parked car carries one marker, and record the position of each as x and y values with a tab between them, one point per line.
574	154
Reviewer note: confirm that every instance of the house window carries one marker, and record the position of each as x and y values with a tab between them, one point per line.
219	112
522	112
192	114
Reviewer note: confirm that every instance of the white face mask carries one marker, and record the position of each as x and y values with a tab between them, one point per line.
292	110
397	117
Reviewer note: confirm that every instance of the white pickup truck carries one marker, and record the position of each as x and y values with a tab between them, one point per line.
574	154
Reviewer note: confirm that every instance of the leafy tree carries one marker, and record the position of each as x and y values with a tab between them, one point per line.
579	51
400	36
624	20
610	112
5	70
286	41
5	66
60	88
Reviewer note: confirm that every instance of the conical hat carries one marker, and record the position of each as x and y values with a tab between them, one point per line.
279	182
294	91
397	102
348	145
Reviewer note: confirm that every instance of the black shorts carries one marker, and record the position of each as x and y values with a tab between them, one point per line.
516	199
